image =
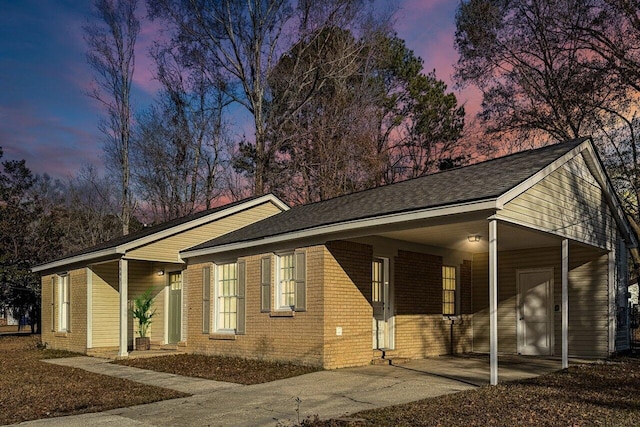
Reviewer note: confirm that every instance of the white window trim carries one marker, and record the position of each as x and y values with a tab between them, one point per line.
278	293
63	305
216	296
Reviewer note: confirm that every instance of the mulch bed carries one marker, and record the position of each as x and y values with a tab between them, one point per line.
599	394
229	369
32	389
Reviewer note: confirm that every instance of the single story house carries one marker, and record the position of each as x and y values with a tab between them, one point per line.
523	254
87	296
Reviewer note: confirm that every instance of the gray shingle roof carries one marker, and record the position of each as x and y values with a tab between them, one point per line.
479	181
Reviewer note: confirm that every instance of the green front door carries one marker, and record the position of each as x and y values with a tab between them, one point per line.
175	307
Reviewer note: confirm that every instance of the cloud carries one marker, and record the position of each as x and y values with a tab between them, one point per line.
47	143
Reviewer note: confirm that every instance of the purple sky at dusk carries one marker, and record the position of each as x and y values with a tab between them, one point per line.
46	116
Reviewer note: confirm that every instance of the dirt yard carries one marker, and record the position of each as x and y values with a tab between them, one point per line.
32	389
600	394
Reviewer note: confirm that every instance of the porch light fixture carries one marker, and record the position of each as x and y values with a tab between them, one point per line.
160	272
473	238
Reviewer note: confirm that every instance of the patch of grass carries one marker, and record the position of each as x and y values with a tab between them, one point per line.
33	389
219	368
599	394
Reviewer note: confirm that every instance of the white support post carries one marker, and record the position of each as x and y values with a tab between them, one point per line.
493	300
565	304
124	306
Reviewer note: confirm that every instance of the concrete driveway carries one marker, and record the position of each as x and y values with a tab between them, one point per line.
326	394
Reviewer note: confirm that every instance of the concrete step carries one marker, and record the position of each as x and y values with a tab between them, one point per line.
390	361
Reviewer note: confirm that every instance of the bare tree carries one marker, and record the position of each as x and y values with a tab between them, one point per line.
559	69
374	117
111	43
535	75
244	39
180	148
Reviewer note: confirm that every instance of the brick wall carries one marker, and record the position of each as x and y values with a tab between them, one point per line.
347	294
336	329
420	329
76	339
418	283
268	336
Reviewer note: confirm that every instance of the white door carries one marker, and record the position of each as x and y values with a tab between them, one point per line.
380	302
535	314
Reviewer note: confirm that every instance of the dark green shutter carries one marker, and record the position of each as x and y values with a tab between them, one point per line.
265	285
240	300
69	302
300	278
53	303
206	299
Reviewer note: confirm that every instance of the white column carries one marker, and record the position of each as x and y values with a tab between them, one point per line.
493	300
565	304
124	306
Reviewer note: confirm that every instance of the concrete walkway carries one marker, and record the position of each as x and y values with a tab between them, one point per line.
160	379
326	393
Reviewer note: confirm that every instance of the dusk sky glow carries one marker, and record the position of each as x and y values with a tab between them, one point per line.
46	116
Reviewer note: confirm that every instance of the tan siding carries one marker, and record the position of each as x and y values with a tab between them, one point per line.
142	276
588	334
167	249
568	202
588	303
105	305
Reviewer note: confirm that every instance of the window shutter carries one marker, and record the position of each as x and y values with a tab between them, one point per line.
53	303
69	302
206	299
265	285
240	300
301	285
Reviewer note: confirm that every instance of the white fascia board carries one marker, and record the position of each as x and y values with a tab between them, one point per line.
76	259
203	220
487	204
540	175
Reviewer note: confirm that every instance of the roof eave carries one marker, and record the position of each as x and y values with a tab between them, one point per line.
490	204
91	256
120	250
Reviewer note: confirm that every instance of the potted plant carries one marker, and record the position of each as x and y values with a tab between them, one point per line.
143	313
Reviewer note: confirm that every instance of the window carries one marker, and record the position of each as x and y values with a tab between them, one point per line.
377	280
448	290
63	303
291	291
175	281
286	282
227	294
